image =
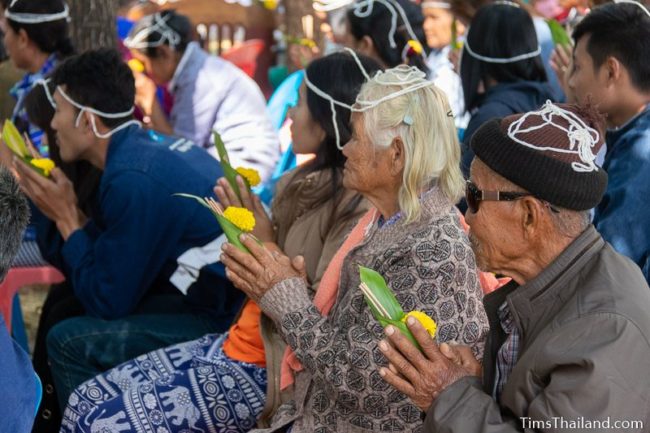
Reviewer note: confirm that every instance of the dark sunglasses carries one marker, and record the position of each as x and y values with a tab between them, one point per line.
475	196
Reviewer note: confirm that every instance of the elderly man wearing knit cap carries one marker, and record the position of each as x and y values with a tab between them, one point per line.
569	342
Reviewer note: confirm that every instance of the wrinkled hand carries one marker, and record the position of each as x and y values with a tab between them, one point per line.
422	376
54	196
562	65
227	197
257	272
463	357
145	92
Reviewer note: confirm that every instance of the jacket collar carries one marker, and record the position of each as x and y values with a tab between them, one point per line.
533	303
187	57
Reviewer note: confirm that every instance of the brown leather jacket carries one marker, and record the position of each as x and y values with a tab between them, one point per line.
584	351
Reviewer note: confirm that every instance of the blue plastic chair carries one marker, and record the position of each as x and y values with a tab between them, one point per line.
284	97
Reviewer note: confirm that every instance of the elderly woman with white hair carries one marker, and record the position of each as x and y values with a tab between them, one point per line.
404	158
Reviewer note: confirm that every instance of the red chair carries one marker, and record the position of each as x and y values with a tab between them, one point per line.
20	277
245	56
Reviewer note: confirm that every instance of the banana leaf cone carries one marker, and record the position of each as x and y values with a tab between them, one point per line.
383	304
558	33
228	171
231	231
15	142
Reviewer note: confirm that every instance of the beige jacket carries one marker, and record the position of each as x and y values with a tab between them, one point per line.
305	230
584	351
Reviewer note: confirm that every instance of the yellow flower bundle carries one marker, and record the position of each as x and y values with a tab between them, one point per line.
251	177
18	147
385	307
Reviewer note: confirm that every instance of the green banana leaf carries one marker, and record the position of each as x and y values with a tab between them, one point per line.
385	296
228	171
231	231
558	33
14	140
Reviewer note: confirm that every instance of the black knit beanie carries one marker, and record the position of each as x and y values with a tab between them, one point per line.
534	151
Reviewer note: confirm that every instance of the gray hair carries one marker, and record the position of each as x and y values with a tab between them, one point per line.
14	216
571	223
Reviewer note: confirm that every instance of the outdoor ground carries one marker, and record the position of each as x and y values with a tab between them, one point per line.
31	300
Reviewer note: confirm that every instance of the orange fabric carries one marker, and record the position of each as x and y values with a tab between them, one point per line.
244	342
326	293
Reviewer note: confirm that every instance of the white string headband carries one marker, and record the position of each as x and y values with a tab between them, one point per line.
34	18
582	137
46	88
412	79
330	5
159	24
364	8
502	60
435	5
94	112
645	9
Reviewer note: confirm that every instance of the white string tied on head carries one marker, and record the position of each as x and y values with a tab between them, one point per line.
364	8
46	87
582	137
34	18
140	41
94	112
435	5
502	60
643	8
330	5
409	78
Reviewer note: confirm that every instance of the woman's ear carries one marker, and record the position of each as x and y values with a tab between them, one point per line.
23	38
366	46
398	156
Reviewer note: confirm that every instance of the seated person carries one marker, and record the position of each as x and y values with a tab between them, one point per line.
404	157
570	341
611	70
124	260
209	93
17	378
312	214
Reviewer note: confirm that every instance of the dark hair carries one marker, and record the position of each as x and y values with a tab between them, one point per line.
376	26
339	76
14	216
84	176
622	31
499	31
99	79
177	22
49	37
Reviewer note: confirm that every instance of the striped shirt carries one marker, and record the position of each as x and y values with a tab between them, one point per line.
19	117
509	351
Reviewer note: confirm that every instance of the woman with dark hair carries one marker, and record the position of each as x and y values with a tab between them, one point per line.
36	39
389	31
210	94
219	382
501	68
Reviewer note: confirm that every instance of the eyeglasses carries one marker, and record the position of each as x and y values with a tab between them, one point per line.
475	196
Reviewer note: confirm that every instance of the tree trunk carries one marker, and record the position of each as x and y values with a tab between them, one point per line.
93	24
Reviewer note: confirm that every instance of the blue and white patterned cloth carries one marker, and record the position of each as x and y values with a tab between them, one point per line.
188	387
19	117
508	352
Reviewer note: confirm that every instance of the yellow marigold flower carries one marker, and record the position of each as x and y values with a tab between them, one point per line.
44	164
427	322
416	46
270	4
251	175
241	217
136	65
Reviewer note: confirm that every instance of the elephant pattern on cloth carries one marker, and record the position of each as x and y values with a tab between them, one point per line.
206	393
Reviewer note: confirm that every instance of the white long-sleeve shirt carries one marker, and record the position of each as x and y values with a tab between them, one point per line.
212	93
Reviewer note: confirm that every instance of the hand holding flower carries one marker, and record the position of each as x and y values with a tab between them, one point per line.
257	272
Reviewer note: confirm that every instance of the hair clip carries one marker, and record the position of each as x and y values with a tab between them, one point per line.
408	120
450	114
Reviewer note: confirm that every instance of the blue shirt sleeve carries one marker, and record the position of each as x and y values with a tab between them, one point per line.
111	272
622	216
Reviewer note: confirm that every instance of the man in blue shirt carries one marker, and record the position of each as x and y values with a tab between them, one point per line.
610	65
18	382
147	252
